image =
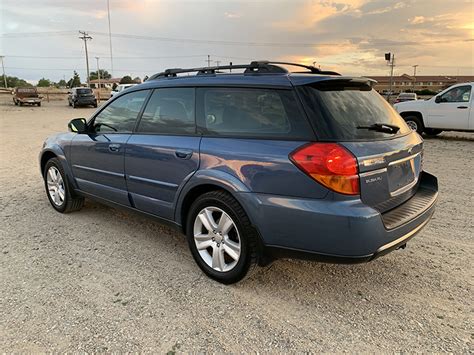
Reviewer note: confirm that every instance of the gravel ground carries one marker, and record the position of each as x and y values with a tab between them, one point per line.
105	280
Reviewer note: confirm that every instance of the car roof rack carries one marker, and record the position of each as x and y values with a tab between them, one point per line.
256	67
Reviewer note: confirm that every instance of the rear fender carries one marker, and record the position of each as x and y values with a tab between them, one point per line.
220	179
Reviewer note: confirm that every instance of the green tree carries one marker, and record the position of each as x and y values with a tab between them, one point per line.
127	79
75	81
44	83
13	82
61	83
104	74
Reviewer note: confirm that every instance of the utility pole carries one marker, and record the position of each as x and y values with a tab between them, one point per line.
208	60
3	68
110	42
85	37
414	76
98	74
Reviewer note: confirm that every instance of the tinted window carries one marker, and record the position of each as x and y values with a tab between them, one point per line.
120	115
253	113
458	94
84	91
169	111
340	109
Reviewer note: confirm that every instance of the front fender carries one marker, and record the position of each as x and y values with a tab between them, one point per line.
57	146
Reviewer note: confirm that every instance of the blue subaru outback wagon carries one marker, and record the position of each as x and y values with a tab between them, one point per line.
252	162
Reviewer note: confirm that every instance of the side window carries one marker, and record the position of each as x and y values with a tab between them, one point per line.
252	112
458	94
169	111
121	114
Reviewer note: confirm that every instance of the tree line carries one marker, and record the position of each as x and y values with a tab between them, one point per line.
74	81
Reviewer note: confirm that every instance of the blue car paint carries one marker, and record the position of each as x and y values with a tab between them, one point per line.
287	207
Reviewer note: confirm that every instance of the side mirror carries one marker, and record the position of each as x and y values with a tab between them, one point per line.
438	99
78	125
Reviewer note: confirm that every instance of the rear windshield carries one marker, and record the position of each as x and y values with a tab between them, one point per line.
340	109
406	96
84	91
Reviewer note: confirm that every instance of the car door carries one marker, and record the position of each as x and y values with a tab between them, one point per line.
450	110
97	157
163	153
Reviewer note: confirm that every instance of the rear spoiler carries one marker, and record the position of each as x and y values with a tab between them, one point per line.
305	80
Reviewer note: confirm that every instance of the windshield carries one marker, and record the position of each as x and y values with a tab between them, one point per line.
26	90
84	91
340	109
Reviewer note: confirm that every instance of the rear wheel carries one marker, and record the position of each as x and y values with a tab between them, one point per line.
432	132
39	104
221	238
415	124
59	193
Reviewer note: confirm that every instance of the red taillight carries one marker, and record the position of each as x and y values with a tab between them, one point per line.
330	164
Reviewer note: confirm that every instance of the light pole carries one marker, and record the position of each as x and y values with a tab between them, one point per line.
390	58
98	74
414	76
110	42
3	68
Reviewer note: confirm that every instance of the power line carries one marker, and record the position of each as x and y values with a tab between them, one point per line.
373	42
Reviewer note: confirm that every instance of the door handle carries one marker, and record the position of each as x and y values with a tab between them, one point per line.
463	107
114	147
184	153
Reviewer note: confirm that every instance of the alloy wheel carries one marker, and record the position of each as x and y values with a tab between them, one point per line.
217	239
55	184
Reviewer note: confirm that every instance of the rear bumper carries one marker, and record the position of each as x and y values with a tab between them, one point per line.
336	231
86	101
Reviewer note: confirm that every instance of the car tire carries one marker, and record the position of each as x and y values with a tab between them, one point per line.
15	102
225	263
39	104
21	103
59	192
432	132
69	103
414	123
95	105
74	105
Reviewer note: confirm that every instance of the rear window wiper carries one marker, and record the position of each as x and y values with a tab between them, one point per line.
381	127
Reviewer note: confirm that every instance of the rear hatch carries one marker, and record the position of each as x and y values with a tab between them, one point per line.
85	93
349	112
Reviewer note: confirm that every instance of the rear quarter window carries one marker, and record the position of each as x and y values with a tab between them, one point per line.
252	112
338	110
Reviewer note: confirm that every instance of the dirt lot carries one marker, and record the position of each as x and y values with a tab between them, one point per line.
105	280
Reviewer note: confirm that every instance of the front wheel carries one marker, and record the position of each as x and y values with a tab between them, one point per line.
414	123
221	238
59	193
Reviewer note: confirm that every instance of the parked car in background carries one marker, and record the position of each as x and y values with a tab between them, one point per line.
120	88
450	110
251	167
82	97
406	96
26	95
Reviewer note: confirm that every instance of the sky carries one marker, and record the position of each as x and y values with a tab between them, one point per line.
40	38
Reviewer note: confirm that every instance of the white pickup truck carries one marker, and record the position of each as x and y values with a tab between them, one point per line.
450	110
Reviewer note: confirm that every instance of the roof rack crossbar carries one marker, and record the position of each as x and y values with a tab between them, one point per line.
262	66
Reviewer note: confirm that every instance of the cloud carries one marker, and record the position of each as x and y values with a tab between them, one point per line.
231	15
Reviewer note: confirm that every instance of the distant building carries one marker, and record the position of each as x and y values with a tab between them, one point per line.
407	82
105	83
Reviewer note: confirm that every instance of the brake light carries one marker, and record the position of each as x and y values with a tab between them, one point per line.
330	164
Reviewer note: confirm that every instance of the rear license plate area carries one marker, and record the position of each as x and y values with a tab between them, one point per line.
401	175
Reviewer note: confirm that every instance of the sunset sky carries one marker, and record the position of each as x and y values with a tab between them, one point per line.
39	38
